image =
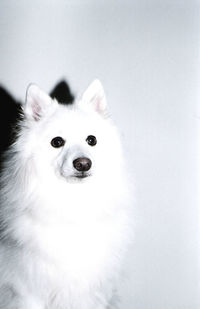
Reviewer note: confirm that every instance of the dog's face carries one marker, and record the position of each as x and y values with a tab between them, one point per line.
73	143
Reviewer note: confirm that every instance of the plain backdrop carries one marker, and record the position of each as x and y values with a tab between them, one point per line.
147	55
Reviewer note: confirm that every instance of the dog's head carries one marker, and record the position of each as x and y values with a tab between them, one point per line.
72	142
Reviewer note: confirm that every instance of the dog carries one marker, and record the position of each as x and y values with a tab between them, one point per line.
65	211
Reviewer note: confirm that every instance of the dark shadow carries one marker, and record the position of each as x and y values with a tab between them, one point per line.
62	93
10	112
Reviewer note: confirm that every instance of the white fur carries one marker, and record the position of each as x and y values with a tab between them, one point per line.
62	238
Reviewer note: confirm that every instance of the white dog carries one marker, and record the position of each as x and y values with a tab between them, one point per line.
64	214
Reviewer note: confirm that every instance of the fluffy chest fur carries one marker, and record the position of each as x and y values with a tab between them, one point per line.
61	263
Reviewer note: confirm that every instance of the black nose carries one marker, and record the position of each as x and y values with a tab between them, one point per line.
82	164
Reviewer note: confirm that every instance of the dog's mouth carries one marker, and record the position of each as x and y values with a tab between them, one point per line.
81	175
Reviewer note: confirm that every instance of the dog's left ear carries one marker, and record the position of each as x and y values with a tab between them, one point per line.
95	96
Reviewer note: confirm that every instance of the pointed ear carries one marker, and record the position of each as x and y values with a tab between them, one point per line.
37	102
95	96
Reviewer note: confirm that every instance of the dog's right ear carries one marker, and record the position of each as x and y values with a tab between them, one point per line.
37	102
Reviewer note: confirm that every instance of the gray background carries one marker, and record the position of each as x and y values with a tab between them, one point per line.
146	53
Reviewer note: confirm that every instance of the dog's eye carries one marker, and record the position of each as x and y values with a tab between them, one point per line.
91	140
57	142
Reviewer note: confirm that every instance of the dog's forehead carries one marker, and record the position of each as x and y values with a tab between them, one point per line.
73	116
74	121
